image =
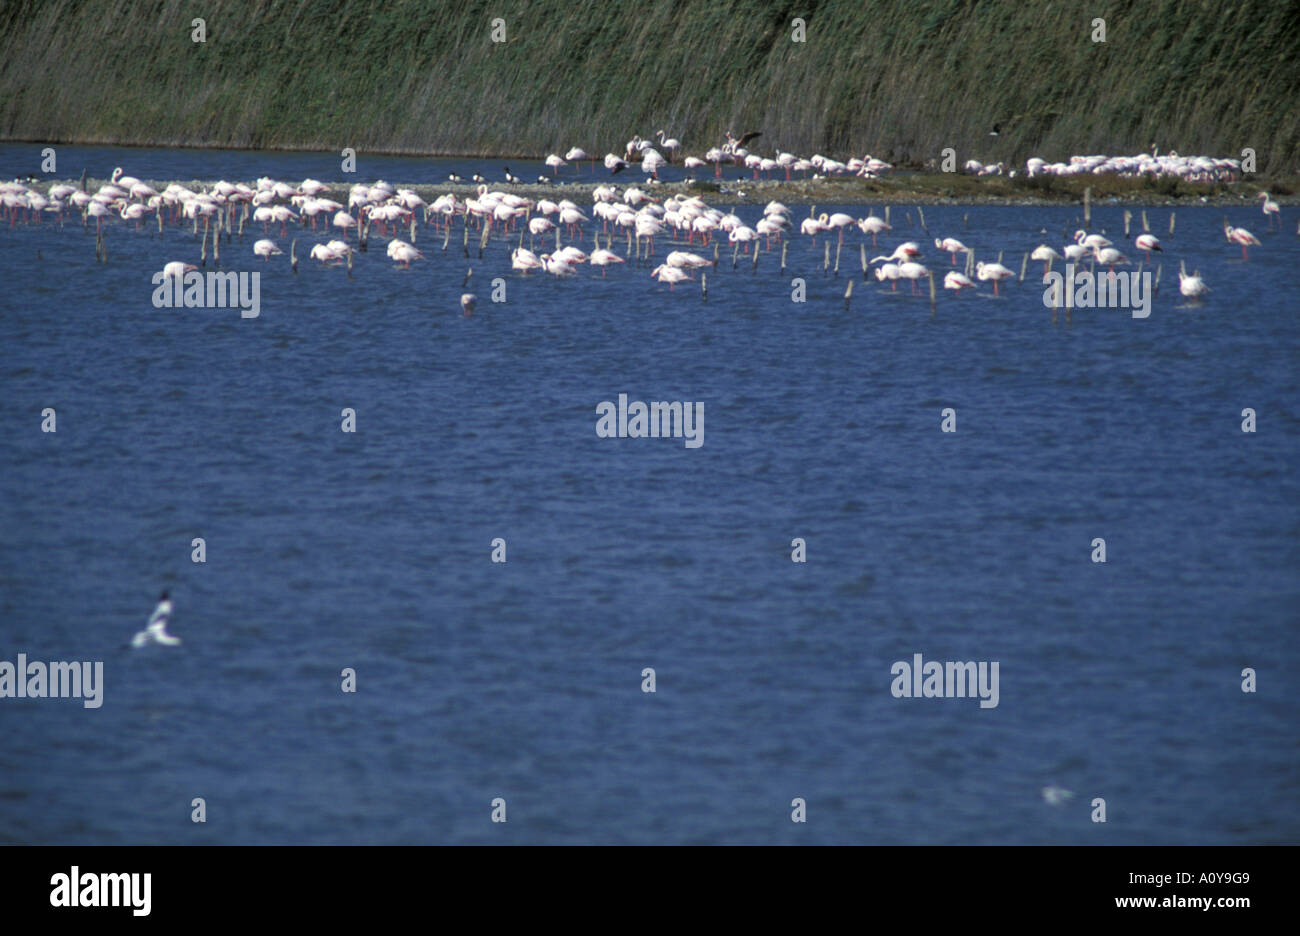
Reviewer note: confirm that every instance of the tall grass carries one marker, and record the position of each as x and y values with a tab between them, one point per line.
901	81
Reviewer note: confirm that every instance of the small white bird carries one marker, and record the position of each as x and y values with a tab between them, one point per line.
467	301
1055	795
156	630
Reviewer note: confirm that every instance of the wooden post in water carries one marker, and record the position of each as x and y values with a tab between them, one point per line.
349	264
862	255
216	244
293	255
837	256
704	286
848	294
784	244
465	244
412	228
735	252
921	214
932	293
1146	229
1023	263
446	237
1156	288
753	267
1171	224
1128	216
886	214
715	255
483	241
826	258
203	251
1087	207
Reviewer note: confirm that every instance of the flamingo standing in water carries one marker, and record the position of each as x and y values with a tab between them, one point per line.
992	271
1191	286
403	252
671	144
891	272
903	252
603	258
266	249
1243	237
670	275
1147	243
873	226
1110	256
952	246
1271	210
1046	254
957	281
912	271
838	220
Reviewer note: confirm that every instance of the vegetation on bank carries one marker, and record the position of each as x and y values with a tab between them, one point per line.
901	81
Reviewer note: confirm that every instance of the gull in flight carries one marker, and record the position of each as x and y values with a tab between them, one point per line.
156	630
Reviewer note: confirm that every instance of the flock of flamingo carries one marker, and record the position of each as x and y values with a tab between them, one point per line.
691	223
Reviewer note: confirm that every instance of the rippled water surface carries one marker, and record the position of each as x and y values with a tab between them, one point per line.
522	680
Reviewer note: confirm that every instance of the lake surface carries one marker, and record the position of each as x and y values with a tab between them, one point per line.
523	680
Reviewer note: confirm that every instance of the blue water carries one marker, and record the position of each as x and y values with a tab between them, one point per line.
523	680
